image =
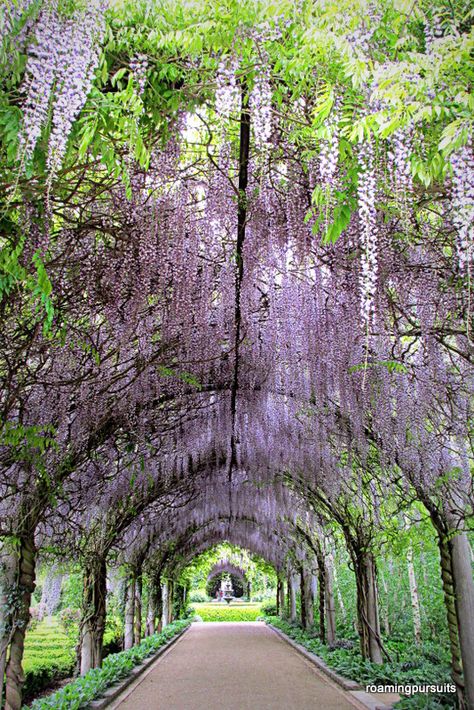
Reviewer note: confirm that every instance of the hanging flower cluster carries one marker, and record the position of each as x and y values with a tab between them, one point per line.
227	91
74	77
61	60
329	153
43	59
462	163
261	106
366	191
433	31
139	67
13	12
401	144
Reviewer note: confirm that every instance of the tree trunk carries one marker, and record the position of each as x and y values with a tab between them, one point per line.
8	567
308	602
322	601
281	597
292	597
367	607
170	601
385	612
340	600
415	602
157	603
93	614
464	588
138	607
330	610
129	612
451	612
25	585
165	595
303	597
150	616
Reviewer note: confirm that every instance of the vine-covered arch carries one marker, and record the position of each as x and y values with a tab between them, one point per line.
235	290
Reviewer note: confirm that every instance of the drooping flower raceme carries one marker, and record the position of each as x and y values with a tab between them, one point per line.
61	60
433	31
139	67
462	163
43	60
260	104
401	148
13	13
329	154
75	74
227	91
368	230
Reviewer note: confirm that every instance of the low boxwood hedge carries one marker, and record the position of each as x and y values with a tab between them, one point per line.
87	688
221	612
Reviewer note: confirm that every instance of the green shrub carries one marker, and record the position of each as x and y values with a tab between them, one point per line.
198	598
44	673
81	692
49	657
413	666
269	609
221	612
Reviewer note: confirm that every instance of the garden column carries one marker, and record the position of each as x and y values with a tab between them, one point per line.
138	606
25	569
129	612
367	606
165	600
292	596
281	597
330	605
154	604
303	597
171	592
8	560
464	590
309	600
94	608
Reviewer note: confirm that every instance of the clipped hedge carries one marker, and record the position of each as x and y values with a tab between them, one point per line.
49	657
87	688
219	612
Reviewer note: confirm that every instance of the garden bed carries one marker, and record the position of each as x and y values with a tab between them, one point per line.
415	668
49	657
117	666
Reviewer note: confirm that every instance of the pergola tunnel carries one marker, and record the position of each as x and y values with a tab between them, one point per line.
236	344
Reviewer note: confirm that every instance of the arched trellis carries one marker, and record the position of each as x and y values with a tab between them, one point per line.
225	566
274	336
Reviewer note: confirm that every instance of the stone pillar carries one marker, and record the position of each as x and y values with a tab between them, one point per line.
281	594
165	597
292	597
309	602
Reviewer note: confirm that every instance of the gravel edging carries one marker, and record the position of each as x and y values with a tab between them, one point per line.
345	683
115	690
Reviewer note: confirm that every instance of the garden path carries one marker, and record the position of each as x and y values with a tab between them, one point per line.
233	666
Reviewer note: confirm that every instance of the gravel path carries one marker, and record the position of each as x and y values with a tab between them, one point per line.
233	666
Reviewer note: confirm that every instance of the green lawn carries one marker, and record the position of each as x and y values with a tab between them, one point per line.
228	612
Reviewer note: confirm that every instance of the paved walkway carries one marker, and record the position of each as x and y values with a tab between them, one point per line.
233	666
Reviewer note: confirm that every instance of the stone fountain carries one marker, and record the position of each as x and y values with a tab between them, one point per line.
227	591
